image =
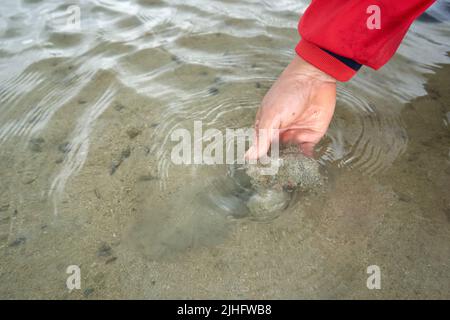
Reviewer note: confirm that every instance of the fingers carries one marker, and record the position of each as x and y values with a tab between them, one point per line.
266	130
305	139
307	149
301	135
261	144
289	136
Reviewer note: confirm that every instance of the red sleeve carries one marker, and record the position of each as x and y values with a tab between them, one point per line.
334	31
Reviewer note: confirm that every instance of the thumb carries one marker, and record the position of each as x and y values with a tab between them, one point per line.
266	132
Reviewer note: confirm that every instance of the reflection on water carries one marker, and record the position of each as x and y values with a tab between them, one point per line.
85	121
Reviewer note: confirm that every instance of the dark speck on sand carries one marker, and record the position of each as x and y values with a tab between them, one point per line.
18	241
64	147
36	144
133	132
123	155
87	292
213	91
105	250
118	106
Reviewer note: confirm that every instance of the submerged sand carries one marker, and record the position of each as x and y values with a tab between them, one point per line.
126	235
273	184
86	177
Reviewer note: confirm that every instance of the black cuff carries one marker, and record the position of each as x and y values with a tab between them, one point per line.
348	62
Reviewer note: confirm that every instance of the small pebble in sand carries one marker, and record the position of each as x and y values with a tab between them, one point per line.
97	194
148	177
403	196
175	59
28	177
118	106
213	91
29	180
125	153
64	147
105	250
87	292
18	241
116	163
133	132
110	260
36	144
114	166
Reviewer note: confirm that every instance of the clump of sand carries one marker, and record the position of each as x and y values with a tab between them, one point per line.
291	171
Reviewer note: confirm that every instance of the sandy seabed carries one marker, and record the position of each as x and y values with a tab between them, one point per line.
130	240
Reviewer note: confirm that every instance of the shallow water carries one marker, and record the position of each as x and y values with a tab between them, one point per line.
86	175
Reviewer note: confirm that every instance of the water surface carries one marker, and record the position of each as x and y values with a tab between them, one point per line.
86	178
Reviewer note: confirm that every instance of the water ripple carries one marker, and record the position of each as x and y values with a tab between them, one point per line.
208	61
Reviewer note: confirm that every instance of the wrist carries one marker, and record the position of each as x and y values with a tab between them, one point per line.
303	68
325	61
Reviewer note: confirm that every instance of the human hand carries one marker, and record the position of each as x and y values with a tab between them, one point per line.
298	107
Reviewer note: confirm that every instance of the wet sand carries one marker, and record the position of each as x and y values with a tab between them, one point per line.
86	177
124	233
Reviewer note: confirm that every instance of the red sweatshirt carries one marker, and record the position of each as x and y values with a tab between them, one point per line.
338	36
